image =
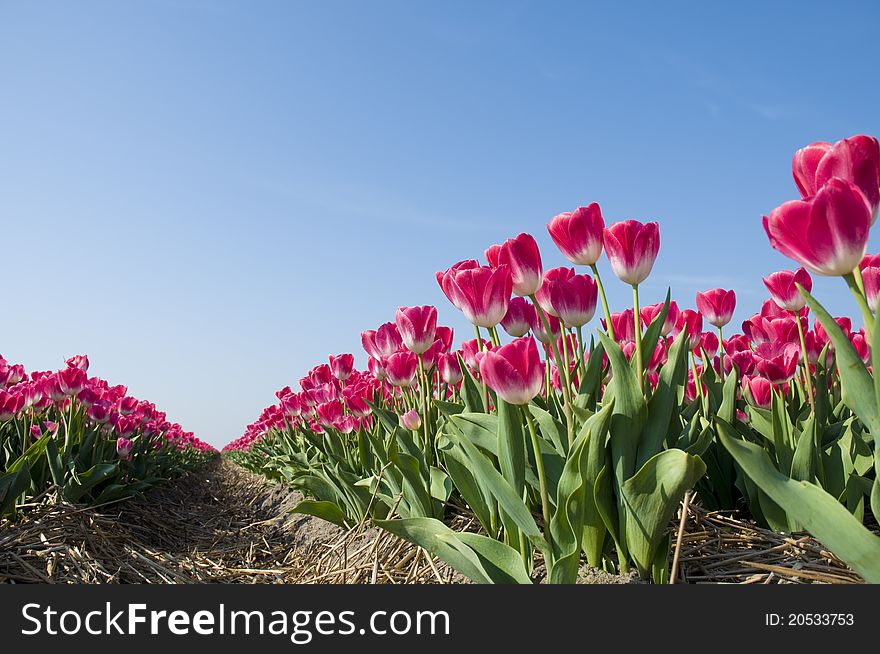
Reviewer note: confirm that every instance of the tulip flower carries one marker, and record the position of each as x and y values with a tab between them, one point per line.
574	300
758	391
461	265
708	345
329	412
469	351
376	369
346	424
10	405
861	345
650	312
342	366
623	325
871	281
578	234
783	290
80	361
72	380
777	361
540	330
514	371
417	327
519	318
693	322
124	448
522	256
480	292
828	233
411	420
445	335
717	306
450	369
856	160
632	248
551	277
382	342
400	368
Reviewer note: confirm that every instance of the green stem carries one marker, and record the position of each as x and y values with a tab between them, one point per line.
807	380
867	316
637	322
720	354
542	479
582	355
423	382
493	334
609	328
482	381
563	374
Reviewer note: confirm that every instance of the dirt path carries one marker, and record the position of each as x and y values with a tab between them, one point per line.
221	524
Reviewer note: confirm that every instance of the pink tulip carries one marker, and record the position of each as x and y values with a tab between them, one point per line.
411	420
382	342
346	424
540	331
744	361
445	335
521	254
717	306
329	412
827	234
519	317
99	412
376	369
480	292
342	366
777	361
856	160
10	405
450	369
514	371
72	380
578	234
708	344
574	300
469	350
869	260
632	248
551	277
782	286
651	311
871	279
80	361
417	327
758	391
693	322
400	368
124	448
623	324
861	345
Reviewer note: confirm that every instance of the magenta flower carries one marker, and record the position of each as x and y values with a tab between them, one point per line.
578	234
400	368
521	254
450	369
758	391
693	322
574	300
632	248
514	371
871	279
777	361
542	295
519	317
782	286
381	342
651	311
124	448
417	327
827	234
342	365
480	292
856	160
717	306
411	420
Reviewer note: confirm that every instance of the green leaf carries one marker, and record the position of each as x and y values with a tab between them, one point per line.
856	385
551	429
83	482
478	558
651	497
575	503
480	428
511	446
664	400
652	333
471	390
12	485
820	513
322	509
508	500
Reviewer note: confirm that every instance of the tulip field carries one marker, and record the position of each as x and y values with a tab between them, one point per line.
576	442
562	436
83	440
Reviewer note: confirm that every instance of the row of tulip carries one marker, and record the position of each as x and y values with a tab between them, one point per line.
89	440
586	448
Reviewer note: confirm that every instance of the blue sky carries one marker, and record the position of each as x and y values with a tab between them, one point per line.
210	197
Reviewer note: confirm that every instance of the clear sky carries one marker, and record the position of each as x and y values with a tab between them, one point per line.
209	198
